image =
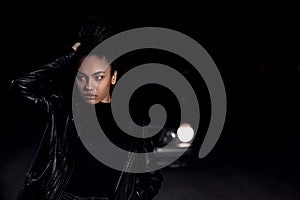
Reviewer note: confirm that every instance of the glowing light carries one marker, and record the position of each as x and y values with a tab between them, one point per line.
184	145
173	135
185	133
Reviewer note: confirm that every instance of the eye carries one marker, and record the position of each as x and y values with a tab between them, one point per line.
81	77
98	78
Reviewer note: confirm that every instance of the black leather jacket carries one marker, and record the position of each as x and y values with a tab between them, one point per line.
54	161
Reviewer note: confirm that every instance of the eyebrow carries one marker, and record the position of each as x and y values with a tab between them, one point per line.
99	72
96	73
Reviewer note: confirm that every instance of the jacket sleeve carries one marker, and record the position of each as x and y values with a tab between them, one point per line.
34	85
149	183
148	186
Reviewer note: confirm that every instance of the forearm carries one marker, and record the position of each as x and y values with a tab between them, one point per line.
32	85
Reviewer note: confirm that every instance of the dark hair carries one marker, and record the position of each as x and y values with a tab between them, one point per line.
107	53
95	30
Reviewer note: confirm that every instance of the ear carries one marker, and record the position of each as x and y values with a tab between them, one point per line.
114	77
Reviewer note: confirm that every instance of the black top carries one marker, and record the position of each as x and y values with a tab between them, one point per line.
90	177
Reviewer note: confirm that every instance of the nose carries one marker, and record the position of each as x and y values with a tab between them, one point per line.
88	86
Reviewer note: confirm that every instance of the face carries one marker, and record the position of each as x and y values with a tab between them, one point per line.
94	79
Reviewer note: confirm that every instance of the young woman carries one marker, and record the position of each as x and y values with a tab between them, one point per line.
63	168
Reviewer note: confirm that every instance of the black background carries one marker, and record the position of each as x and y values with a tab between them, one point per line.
256	51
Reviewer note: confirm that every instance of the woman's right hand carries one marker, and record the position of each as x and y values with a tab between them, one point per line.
76	45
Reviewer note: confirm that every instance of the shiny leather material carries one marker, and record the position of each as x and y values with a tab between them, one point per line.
54	161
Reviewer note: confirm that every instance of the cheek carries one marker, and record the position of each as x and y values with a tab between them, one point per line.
103	89
79	85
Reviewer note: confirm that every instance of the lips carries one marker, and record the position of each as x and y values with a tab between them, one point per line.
90	96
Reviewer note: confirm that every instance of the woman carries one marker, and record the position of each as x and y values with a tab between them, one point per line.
63	168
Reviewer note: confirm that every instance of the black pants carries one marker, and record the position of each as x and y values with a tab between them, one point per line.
68	196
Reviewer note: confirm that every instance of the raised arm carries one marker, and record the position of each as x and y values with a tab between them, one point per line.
33	85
